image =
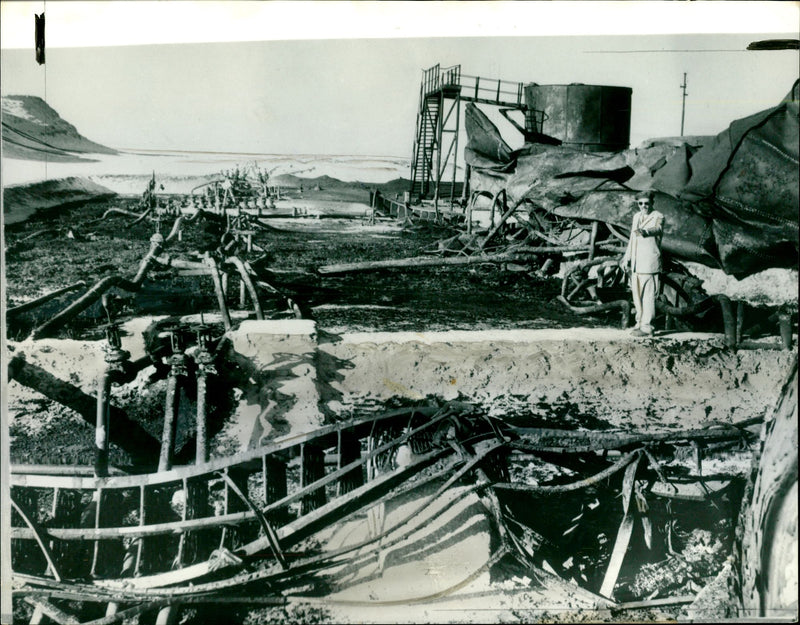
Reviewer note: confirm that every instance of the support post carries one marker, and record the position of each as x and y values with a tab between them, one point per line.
593	239
349	451
785	328
438	130
274	476
101	427
739	320
177	364
115	359
312	468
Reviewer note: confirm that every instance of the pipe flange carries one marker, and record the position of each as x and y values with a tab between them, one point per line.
205	362
177	363
117	356
206	369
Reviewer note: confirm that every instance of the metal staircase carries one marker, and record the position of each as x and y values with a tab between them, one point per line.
434	162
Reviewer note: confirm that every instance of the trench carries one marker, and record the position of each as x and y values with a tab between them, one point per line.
278	378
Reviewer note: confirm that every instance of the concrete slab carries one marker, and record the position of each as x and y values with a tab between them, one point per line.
281	395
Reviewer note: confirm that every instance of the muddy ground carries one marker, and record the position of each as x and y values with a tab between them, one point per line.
431	298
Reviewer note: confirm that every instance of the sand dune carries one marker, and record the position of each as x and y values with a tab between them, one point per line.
22	201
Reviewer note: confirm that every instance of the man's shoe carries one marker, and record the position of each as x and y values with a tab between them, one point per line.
638	332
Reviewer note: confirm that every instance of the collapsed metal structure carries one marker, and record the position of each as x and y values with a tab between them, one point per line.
192	533
563	201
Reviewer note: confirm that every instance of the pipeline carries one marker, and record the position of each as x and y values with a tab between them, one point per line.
251	289
11	312
205	367
93	294
623	305
177	364
223	307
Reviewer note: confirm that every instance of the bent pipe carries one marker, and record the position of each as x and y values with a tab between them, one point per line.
93	294
623	305
179	220
565	488
11	312
220	292
728	316
121	211
176	228
142	216
251	289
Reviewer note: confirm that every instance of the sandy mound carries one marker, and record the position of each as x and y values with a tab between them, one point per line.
22	201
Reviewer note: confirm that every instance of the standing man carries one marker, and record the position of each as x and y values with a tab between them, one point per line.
643	259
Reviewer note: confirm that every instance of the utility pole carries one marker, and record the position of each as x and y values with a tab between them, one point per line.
683	105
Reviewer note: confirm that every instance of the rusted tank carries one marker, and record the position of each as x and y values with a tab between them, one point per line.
596	118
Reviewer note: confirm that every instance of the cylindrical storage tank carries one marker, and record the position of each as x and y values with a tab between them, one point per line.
595	118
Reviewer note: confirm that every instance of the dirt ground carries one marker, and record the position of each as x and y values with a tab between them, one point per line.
451	298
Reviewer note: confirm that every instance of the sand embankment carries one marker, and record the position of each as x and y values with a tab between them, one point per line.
583	375
597	378
22	201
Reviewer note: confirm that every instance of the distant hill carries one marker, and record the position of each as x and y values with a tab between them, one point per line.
32	130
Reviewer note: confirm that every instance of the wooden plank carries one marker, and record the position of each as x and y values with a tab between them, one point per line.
140	544
624	533
182	539
349	451
655	603
436	261
38	536
38	616
52	612
691	491
617	556
133	531
265	525
198	543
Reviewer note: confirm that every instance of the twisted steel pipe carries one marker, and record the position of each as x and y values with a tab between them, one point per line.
93	294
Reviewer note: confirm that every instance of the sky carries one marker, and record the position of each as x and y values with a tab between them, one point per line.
359	95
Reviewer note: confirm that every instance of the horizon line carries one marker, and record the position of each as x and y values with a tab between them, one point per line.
238	153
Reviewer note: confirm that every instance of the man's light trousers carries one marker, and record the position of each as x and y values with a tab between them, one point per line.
645	287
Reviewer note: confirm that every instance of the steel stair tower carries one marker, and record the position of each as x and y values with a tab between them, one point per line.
435	152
